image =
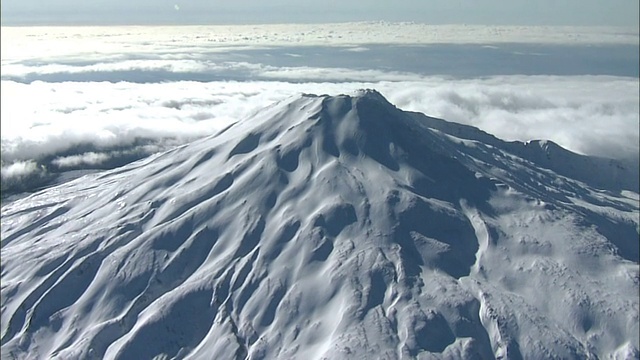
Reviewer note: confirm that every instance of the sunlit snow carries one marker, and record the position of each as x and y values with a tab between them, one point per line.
329	227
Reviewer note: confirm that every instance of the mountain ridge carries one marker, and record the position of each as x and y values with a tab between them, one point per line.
600	172
322	226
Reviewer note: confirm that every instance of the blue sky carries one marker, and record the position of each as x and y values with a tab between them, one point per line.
491	12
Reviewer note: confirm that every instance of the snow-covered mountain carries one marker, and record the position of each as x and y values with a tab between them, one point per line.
329	227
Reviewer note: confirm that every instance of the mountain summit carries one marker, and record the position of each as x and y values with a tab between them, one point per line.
329	227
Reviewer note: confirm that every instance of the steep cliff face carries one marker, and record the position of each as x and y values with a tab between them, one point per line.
325	227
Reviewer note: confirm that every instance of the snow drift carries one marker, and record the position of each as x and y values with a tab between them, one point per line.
329	227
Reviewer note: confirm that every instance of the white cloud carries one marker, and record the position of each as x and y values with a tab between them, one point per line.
19	169
89	158
591	115
22	176
126	65
239	70
305	73
20	43
92	123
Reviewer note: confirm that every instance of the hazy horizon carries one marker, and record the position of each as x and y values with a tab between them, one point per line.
485	12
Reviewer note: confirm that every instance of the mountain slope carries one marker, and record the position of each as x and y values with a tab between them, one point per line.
598	172
323	227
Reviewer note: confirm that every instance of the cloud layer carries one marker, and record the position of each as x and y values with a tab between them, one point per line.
92	125
92	98
20	43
